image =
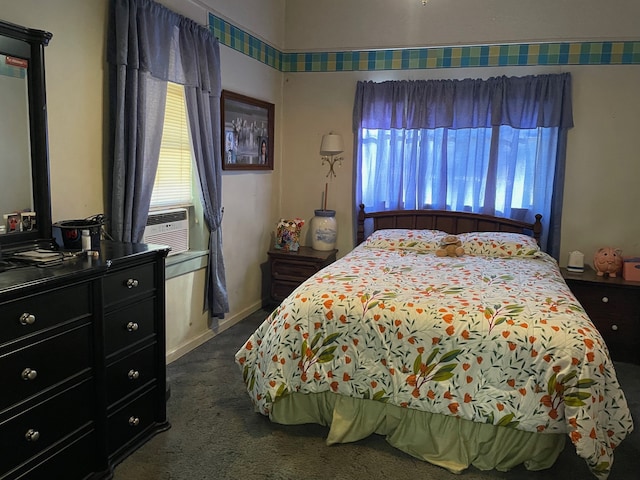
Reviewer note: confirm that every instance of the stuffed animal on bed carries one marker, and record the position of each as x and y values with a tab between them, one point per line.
450	246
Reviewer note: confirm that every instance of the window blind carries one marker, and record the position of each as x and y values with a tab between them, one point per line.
173	183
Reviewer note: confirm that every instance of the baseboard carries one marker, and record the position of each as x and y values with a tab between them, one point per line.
193	343
217	328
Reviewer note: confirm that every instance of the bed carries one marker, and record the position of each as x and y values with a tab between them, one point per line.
486	359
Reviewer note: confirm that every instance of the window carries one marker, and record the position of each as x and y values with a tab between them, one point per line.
174	178
176	181
494	146
454	169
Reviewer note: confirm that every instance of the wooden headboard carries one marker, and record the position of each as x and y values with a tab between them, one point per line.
447	221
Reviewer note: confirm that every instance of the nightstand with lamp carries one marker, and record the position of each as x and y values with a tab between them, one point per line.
290	268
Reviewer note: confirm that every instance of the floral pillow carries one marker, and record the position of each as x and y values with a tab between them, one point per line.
405	239
500	244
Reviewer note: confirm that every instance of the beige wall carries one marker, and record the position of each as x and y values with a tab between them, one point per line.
362	24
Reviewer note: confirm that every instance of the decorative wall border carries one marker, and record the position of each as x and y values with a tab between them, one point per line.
532	54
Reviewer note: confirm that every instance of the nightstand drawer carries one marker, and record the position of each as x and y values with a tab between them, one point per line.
292	270
613	305
282	289
616	314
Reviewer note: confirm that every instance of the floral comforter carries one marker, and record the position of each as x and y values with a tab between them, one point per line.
494	336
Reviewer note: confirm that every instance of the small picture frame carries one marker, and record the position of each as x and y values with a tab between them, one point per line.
13	222
28	221
247	132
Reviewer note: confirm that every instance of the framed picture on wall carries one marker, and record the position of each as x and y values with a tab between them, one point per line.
247	132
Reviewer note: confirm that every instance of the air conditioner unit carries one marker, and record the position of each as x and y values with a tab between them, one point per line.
168	227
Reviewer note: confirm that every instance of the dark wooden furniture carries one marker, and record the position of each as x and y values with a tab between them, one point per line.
28	44
290	269
82	362
613	304
445	220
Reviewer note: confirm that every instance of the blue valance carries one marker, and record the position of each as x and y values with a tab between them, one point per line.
520	102
149	37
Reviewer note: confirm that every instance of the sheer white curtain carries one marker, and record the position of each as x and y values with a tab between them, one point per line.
487	146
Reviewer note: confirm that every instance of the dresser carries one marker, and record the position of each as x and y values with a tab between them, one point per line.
290	269
613	304
82	363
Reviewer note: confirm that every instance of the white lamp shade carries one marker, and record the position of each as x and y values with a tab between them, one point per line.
331	144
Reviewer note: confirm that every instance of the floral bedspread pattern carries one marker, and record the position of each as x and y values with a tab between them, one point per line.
492	340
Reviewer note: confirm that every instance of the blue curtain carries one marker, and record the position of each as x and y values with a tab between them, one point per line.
147	46
493	146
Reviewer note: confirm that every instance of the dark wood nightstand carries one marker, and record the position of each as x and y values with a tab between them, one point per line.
613	304
290	269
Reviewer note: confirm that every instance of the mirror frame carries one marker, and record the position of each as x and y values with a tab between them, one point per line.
35	41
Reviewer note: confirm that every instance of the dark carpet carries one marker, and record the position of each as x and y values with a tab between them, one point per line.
216	435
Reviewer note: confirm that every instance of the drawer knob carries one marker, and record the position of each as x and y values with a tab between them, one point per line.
27	319
132	326
32	435
29	374
605	299
134	421
132	283
133	374
614	327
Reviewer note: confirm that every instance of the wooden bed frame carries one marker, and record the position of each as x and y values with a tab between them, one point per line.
447	221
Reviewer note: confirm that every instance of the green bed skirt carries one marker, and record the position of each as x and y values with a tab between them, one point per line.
450	442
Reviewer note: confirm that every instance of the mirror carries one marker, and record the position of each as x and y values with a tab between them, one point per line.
25	196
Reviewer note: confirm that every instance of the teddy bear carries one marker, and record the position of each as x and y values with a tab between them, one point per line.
450	246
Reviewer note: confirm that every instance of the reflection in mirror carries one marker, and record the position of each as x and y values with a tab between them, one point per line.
25	203
16	194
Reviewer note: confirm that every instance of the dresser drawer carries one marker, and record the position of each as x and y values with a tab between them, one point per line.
36	429
129	325
32	314
76	461
30	370
292	270
124	285
131	373
131	420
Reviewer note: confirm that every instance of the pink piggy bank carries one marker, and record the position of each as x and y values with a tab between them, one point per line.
608	260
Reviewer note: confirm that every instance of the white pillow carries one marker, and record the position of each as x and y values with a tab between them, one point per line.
500	244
